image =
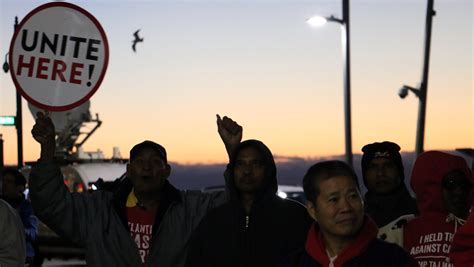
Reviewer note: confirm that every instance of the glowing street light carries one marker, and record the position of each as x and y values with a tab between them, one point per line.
344	22
316	21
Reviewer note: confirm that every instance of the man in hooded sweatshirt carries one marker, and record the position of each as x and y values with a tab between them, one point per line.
443	186
256	227
342	235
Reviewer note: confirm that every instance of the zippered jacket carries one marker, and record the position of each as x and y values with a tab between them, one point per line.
97	221
230	237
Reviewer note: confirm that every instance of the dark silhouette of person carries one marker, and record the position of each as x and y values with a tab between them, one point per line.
256	227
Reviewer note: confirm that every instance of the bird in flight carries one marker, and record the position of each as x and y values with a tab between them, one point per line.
136	40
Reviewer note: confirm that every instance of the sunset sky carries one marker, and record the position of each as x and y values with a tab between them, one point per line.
258	62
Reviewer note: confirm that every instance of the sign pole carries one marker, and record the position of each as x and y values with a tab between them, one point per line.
19	118
1	153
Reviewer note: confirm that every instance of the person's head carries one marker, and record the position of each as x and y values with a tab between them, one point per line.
442	182
13	183
333	199
148	168
253	168
456	189
382	167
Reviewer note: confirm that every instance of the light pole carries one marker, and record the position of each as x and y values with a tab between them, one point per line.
345	27
19	113
421	91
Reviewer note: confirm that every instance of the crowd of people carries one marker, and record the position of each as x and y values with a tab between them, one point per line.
146	221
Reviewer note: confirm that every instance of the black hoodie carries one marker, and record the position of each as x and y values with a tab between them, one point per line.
227	236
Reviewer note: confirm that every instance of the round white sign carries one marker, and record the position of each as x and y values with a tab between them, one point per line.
58	56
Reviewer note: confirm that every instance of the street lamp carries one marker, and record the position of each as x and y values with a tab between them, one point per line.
5	64
421	91
19	116
344	22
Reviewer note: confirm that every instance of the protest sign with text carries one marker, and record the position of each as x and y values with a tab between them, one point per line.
58	56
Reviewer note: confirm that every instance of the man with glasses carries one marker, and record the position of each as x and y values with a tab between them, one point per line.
143	221
443	185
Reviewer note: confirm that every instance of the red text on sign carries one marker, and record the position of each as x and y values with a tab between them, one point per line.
47	69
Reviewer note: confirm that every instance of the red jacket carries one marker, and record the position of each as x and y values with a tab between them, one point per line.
317	250
462	248
428	237
366	250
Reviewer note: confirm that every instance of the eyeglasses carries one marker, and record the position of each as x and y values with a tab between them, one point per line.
451	184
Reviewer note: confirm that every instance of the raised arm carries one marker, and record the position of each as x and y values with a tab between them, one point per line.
62	211
230	133
43	132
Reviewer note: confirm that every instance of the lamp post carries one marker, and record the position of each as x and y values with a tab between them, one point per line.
19	113
345	27
421	91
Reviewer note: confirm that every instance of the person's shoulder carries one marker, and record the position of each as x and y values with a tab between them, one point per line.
289	203
428	219
216	219
4	205
380	248
290	206
7	212
381	253
198	196
298	258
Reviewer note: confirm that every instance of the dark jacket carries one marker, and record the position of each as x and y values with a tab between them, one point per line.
30	222
97	220
365	251
228	236
383	209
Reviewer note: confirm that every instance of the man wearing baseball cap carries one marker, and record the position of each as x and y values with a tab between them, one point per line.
143	221
387	197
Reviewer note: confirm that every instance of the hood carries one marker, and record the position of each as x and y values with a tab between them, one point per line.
316	248
270	184
428	172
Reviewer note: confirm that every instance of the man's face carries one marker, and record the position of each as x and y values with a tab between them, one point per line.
456	190
249	170
338	209
382	176
9	188
148	171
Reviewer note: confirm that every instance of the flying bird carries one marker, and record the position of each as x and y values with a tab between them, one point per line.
137	40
